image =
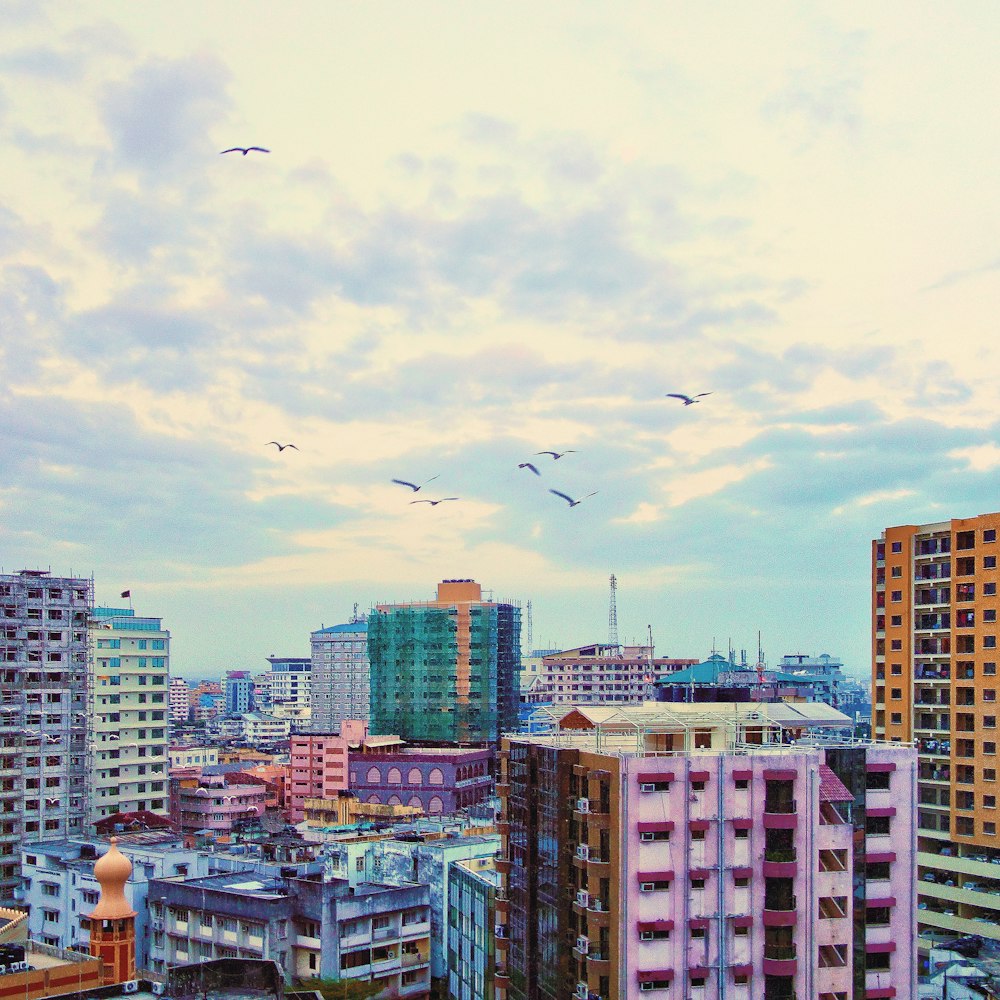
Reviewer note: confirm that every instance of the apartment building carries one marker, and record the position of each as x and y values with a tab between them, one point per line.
60	885
290	690
180	700
312	928
317	770
238	691
43	713
127	714
446	670
217	802
601	674
340	675
705	851
935	683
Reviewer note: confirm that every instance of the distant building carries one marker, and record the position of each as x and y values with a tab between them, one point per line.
193	756
317	770
312	928
340	675
291	684
258	728
127	713
436	779
217	802
180	700
43	712
238	690
600	674
446	670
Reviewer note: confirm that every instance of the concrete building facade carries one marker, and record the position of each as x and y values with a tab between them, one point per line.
687	854
317	770
238	692
471	921
43	713
446	670
935	682
312	928
340	675
180	700
127	714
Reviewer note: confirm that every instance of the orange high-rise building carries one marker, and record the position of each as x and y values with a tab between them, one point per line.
935	683
112	922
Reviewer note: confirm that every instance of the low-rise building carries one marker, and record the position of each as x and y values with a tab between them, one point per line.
312	928
193	756
217	802
435	779
258	728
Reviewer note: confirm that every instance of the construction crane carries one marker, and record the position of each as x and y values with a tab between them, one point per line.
613	616
529	630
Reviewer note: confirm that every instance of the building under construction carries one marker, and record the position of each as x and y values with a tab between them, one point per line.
43	706
445	670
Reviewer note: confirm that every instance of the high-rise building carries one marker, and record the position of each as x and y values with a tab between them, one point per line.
43	712
238	692
447	669
127	714
290	687
317	770
340	675
935	682
711	851
180	700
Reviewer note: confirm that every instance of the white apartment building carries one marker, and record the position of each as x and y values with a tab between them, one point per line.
340	675
127	714
180	700
193	756
259	728
43	701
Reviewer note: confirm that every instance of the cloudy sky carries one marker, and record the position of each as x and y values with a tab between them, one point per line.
485	230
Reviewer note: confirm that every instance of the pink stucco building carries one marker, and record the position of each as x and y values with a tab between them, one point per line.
706	852
317	770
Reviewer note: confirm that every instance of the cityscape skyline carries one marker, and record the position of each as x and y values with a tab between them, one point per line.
422	279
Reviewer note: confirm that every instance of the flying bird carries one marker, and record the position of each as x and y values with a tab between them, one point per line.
281	447
570	500
688	400
414	486
434	503
556	455
245	149
528	465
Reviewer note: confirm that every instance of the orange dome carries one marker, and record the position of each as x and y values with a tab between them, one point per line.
112	872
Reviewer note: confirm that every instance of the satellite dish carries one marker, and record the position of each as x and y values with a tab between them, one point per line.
272	823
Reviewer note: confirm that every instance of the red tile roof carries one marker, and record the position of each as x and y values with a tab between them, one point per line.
831	788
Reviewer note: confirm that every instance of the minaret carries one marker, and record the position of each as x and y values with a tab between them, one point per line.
112	924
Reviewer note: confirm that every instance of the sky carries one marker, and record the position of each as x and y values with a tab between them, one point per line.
484	231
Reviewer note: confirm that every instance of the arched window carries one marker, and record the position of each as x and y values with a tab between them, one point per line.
414	777
394	777
395	800
374	776
374	799
435	805
436	777
415	801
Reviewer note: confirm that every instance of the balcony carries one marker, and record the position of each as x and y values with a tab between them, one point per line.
502	865
780	959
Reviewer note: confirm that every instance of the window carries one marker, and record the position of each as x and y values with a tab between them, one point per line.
896	645
896	719
698	932
989	829
896	596
741	881
989	562
742	784
989	774
989	802
877	961
896	621
742	834
741	931
897	571
897	547
896	670
989	748
876	825
989	534
989	694
896	694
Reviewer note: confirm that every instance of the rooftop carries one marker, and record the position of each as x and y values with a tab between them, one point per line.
348	627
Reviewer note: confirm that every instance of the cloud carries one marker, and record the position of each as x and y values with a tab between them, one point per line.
980	458
40	61
158	117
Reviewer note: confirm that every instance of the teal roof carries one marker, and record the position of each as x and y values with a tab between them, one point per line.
706	672
349	627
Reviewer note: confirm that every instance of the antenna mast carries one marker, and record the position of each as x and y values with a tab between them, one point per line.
760	669
613	614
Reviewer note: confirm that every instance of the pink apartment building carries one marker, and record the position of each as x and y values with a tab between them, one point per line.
317	769
706	852
216	802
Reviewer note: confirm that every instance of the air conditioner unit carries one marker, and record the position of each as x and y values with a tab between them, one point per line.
583	851
645	935
583	944
647	786
132	986
583	805
645	987
159	988
583	897
582	991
